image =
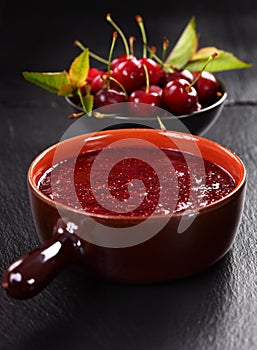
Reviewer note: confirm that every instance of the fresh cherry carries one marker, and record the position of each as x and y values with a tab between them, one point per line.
154	69
139	99
92	73
166	76
120	58
130	74
153	88
98	82
108	96
208	88
180	97
145	98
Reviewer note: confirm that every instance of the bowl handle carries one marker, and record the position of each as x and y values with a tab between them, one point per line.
32	272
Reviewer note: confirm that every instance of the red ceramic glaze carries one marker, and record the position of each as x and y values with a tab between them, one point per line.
169	254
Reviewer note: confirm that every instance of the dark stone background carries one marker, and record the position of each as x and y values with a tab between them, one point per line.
214	310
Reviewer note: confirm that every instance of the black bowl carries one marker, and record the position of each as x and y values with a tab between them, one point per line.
196	123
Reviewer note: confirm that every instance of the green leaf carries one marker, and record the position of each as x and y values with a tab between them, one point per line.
224	61
88	102
185	46
79	69
52	82
204	53
66	90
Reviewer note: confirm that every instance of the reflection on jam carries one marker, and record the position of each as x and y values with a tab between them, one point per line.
198	183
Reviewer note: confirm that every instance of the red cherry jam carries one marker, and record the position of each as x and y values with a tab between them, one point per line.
196	182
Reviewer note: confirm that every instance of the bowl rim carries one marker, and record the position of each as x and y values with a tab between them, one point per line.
219	102
209	207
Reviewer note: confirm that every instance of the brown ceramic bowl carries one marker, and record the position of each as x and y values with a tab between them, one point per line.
67	234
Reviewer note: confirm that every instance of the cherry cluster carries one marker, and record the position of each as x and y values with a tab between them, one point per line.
143	80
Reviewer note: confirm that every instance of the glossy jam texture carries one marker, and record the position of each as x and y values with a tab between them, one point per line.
190	182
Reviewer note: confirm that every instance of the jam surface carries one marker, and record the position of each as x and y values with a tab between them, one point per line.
188	182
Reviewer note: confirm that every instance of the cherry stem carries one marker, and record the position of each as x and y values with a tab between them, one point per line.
162	126
102	115
203	68
109	19
165	45
131	44
152	51
93	55
166	66
114	38
120	85
104	78
76	115
146	78
143	33
176	69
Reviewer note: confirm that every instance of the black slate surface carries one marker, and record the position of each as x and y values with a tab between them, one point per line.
214	310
